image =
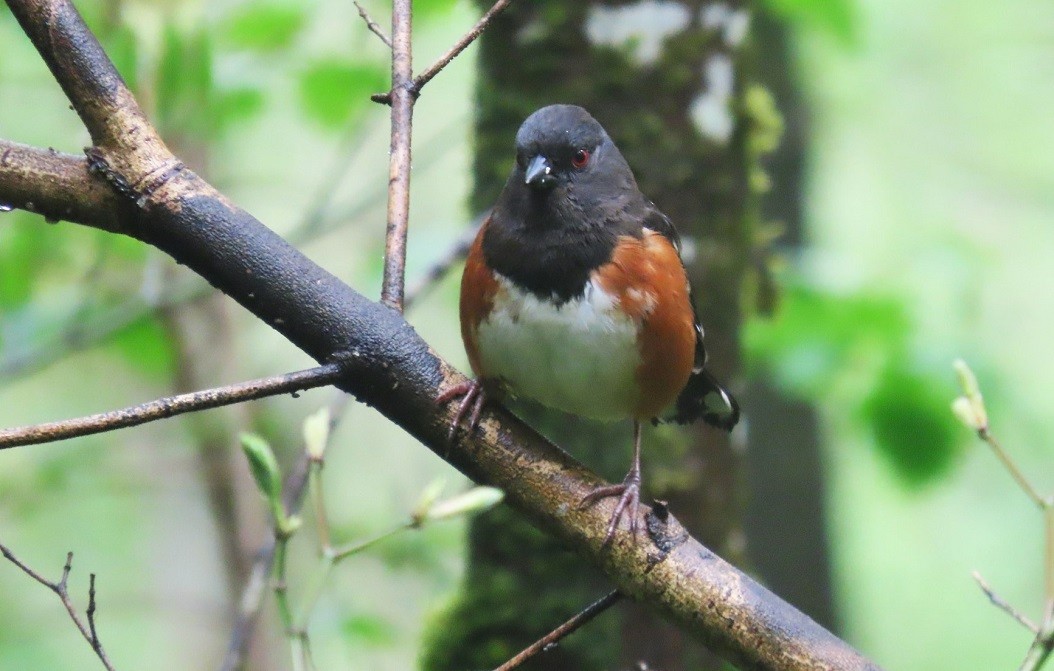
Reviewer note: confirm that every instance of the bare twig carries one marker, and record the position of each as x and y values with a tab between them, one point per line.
459	46
441	266
1048	565
401	97
91	611
1011	467
1003	605
970	409
61	589
402	102
549	640
452	53
170	406
372	25
1042	645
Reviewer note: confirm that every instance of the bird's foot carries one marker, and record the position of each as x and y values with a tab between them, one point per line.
472	397
629	501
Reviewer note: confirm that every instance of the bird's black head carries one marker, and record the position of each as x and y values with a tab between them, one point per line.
568	199
561	144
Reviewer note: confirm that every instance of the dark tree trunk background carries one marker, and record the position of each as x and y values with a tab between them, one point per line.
698	168
785	520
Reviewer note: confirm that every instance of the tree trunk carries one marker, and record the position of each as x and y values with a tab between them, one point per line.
785	519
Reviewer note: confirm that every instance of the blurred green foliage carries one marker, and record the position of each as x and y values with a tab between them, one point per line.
146	345
263	27
332	90
859	353
23	261
837	18
918	93
368	629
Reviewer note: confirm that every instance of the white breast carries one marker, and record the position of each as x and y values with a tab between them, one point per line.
580	357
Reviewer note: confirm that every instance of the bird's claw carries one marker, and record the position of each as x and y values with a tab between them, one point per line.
472	396
629	499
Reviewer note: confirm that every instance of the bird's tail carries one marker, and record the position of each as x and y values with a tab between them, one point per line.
704	398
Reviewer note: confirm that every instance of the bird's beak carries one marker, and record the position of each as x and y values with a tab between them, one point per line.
539	173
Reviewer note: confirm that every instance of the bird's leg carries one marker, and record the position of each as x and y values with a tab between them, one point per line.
472	396
628	492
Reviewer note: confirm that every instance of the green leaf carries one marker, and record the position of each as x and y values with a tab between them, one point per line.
236	106
474	501
908	416
264	468
807	344
316	429
838	18
369	630
264	27
426	10
332	90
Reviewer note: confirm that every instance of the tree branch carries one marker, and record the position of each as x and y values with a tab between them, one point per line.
564	630
56	185
1004	605
372	25
170	406
61	589
392	369
459	46
402	102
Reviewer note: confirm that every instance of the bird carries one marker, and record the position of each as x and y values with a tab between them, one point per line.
574	294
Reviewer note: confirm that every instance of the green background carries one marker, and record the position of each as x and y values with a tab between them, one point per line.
929	208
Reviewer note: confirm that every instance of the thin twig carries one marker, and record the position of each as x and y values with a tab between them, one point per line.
170	406
1011	466
441	266
1003	605
61	589
1048	564
459	46
372	25
1042	645
402	102
1039	651
95	643
549	640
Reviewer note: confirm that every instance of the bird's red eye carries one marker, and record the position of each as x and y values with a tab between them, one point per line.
580	158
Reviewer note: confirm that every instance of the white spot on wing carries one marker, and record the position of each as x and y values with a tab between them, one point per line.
645	299
643	25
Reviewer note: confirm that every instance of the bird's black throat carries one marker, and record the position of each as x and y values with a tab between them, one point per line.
548	243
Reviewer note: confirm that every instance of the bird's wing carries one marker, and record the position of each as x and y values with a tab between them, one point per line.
703	397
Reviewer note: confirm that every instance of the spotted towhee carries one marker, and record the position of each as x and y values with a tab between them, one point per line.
574	294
